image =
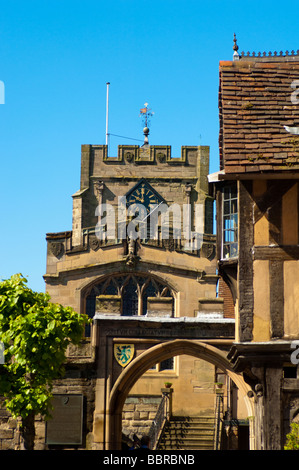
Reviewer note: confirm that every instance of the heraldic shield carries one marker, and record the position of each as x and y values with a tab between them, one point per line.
124	353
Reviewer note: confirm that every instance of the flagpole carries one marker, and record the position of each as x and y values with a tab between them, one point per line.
107	112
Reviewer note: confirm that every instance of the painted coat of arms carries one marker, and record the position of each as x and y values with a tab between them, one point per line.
124	353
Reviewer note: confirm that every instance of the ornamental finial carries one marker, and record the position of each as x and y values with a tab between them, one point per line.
235	48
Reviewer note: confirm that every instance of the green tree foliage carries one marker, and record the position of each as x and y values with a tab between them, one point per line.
292	442
35	334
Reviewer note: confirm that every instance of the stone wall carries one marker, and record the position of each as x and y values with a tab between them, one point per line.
10	438
78	379
138	415
9	435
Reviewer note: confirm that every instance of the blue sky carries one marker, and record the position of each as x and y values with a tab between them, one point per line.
55	60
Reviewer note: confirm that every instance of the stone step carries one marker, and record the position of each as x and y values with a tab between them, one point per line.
194	421
188	433
192	434
196	445
194	424
192	418
187	448
184	427
189	440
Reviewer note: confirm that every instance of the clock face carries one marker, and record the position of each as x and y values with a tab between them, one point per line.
145	195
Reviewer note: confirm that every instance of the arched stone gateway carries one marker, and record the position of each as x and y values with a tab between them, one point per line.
145	360
153	340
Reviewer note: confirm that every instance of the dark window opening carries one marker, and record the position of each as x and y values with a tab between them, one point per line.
130	299
290	372
90	309
168	364
111	289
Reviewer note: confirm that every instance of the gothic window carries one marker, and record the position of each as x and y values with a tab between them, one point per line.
135	294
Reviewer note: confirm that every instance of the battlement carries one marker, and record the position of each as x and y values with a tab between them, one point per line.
142	154
148	161
104	179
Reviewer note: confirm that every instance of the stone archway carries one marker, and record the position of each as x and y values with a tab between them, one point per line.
142	363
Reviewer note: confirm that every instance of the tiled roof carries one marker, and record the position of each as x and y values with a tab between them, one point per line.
254	106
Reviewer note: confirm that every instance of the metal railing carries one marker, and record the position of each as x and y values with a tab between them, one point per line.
159	421
218	420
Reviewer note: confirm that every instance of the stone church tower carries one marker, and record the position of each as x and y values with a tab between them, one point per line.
142	291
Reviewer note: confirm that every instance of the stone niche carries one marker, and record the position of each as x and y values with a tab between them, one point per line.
159	306
108	304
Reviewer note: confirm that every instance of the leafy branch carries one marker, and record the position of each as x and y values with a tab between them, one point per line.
35	334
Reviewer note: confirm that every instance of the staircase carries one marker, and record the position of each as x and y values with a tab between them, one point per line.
186	433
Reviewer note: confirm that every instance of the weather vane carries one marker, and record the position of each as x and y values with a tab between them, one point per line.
146	114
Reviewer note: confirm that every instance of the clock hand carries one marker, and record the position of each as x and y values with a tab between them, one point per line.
136	198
